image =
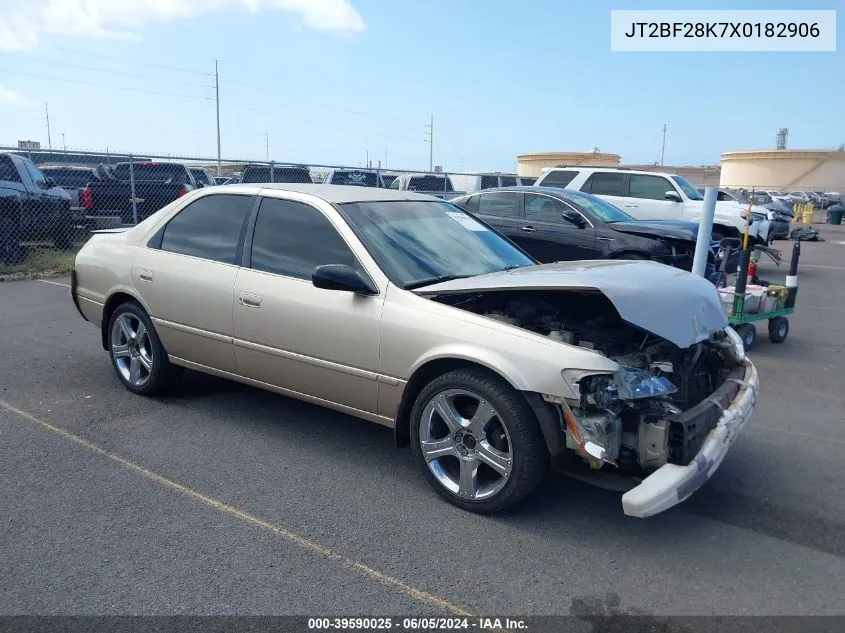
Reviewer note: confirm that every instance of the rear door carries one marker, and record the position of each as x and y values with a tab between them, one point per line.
293	335
551	238
500	209
646	199
608	185
186	276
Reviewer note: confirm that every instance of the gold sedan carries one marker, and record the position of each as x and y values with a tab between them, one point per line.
403	309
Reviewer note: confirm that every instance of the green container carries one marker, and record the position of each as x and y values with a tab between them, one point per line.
836	217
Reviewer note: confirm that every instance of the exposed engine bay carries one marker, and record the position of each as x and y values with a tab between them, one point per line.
655	410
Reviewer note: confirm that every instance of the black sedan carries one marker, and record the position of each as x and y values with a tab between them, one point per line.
553	225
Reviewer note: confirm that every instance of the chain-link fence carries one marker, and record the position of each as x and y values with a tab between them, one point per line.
50	201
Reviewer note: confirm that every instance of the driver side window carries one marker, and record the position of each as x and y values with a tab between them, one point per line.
543	209
293	238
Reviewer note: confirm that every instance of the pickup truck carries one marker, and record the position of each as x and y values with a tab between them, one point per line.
156	185
276	173
438	185
73	179
32	208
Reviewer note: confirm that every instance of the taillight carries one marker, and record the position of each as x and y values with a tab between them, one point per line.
87	198
182	191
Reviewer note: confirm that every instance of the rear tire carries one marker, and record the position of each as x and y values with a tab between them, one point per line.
778	329
137	355
477	441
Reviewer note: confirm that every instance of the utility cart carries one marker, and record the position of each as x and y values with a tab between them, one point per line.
751	300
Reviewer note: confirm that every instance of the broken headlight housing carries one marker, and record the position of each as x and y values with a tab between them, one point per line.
633	384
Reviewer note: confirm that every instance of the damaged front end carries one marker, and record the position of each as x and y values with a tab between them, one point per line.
670	410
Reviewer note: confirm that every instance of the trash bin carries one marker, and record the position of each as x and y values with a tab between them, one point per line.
835	216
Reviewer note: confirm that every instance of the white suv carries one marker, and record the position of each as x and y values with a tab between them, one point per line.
646	195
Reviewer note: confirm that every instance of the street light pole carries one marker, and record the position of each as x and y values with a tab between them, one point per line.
217	102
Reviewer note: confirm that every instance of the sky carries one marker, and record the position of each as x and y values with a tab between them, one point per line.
346	81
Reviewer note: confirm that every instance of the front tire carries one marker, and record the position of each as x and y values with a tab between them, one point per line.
778	329
476	440
137	355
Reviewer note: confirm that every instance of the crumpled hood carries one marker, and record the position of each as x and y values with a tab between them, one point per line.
681	307
668	229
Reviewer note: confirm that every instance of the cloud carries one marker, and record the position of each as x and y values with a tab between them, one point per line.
10	97
25	22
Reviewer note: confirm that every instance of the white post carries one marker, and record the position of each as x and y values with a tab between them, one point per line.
705	232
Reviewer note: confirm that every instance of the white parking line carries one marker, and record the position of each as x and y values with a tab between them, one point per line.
54	283
800	266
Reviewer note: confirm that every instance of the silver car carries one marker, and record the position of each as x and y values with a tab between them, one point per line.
402	309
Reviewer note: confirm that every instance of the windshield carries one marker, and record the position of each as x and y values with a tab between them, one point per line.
594	207
421	242
355	178
280	174
740	197
687	187
70	178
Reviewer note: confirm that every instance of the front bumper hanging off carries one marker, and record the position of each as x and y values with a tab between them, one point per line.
671	484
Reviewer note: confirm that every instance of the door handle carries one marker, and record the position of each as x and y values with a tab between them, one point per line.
145	275
604	239
528	229
249	300
630	204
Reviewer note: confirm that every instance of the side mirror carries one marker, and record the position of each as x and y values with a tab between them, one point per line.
673	196
50	182
342	277
574	218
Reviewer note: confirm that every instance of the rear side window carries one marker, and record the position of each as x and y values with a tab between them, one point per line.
8	172
471	203
209	228
509	181
501	205
489	182
605	184
558	178
527	182
293	238
650	187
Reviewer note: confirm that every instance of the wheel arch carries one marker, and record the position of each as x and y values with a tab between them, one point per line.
115	299
547	416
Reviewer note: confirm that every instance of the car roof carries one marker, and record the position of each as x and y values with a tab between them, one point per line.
531	188
336	194
621	170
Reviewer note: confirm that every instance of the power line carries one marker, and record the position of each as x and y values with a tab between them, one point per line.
323	123
99	85
101	70
132	61
320	103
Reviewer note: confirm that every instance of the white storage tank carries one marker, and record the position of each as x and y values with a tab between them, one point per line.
784	169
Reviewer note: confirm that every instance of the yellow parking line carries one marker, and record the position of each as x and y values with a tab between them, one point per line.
54	283
292	537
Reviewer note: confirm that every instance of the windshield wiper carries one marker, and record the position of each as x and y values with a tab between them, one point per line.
433	280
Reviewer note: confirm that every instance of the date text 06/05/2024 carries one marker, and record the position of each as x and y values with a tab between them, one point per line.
417	624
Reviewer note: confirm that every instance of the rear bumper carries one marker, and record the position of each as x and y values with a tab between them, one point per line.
671	484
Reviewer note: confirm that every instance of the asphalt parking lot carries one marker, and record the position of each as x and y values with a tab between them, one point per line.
224	499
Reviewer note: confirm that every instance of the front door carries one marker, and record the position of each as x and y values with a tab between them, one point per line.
646	199
290	334
551	237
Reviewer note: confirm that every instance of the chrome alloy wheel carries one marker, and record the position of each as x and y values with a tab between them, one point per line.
131	349
466	444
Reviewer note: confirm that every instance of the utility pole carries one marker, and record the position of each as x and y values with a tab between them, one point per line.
267	145
217	100
430	127
663	145
64	146
47	116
